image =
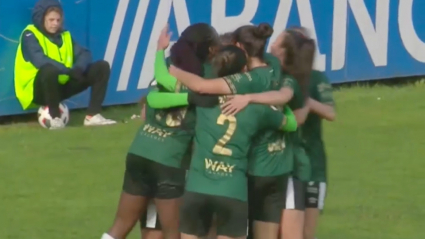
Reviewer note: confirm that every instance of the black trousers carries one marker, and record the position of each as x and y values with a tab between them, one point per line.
48	91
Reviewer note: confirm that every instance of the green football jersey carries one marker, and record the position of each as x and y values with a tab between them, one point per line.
320	90
257	80
220	159
166	137
295	153
219	162
269	156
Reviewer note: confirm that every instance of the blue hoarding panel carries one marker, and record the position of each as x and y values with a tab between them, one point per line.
357	39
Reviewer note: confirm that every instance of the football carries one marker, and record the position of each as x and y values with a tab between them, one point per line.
44	117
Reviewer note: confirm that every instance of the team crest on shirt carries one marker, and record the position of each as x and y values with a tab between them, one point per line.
323	87
287	81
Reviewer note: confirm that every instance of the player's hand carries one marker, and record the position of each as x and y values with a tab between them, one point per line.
164	38
235	104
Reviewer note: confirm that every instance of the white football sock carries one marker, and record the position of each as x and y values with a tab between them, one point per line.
106	236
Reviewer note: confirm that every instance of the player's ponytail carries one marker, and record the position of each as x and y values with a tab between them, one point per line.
229	60
253	39
263	31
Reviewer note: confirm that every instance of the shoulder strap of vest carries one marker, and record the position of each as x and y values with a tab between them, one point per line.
32	28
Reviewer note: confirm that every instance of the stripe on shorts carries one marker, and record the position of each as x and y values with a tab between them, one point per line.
151	216
322	195
290	194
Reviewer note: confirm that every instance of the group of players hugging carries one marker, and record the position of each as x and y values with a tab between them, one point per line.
231	144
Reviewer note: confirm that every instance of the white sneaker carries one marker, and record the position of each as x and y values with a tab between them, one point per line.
56	123
97	120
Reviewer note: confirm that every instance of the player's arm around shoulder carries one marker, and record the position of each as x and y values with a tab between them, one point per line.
273	118
322	102
199	84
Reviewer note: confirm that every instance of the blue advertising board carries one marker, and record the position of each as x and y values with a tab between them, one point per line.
356	39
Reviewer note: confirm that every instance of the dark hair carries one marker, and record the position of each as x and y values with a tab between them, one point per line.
54	9
192	49
253	38
229	60
226	38
189	53
299	57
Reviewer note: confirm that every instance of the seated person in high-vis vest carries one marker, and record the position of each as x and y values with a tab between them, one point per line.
51	67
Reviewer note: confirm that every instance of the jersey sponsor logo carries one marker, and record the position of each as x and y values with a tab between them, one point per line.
172	119
219	168
277	146
155	132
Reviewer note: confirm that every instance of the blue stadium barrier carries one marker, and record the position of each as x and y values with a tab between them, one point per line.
357	39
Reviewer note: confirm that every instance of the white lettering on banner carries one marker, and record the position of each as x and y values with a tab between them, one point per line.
376	40
162	15
339	35
223	23
306	19
373	31
115	34
132	45
413	44
281	20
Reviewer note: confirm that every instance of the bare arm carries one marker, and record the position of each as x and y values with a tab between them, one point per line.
143	112
275	97
301	114
198	84
326	111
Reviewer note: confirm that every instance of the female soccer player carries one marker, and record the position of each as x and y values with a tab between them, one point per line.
321	106
263	74
217	176
153	164
269	147
296	53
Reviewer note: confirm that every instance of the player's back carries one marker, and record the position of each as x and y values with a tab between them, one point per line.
229	135
221	148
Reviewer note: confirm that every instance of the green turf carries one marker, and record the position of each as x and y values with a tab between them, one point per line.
65	184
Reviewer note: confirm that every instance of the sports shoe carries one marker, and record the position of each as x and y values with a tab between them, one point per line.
56	123
97	120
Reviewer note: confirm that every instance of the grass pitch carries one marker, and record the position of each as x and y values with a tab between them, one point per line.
65	184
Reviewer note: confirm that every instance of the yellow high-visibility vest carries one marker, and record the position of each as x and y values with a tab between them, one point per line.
25	71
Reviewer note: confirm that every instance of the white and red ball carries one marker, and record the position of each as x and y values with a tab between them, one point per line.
44	117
